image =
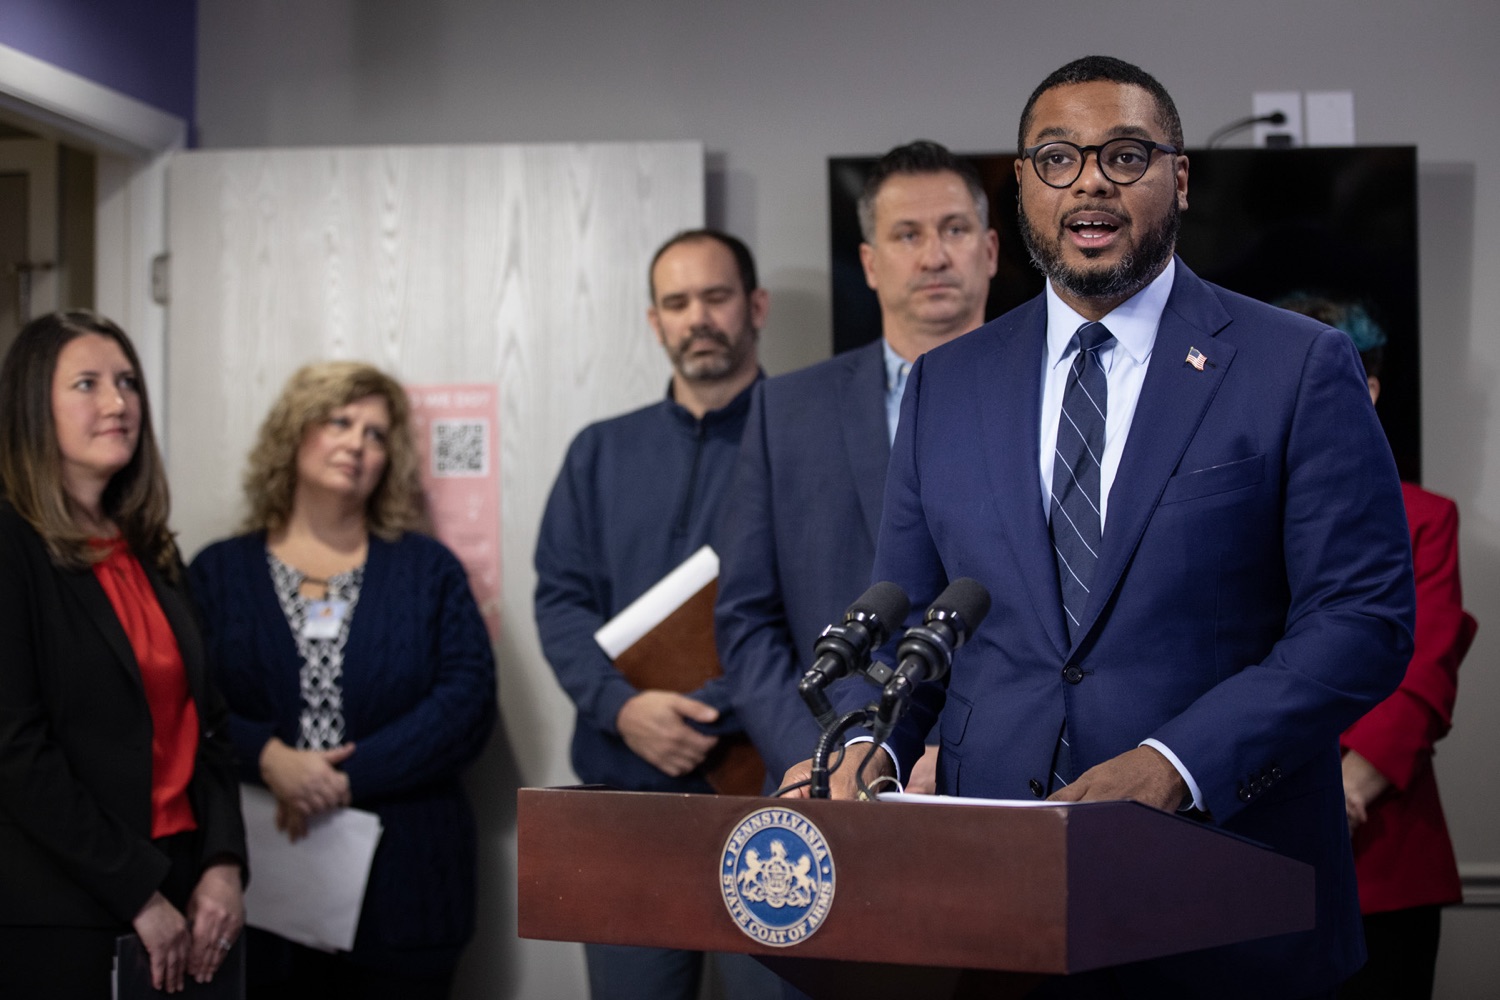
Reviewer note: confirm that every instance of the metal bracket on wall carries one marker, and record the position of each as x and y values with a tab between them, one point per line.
23	270
159	282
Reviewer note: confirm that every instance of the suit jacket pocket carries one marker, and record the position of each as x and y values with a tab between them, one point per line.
954	720
1214	480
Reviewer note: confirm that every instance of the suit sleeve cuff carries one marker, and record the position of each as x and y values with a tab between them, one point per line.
617	691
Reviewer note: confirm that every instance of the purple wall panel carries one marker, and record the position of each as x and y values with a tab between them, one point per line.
147	49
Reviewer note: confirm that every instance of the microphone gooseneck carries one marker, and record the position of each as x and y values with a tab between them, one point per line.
926	651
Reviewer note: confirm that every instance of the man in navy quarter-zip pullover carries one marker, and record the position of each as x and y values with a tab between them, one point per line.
636	496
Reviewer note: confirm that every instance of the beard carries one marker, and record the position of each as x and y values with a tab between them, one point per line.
712	367
1132	272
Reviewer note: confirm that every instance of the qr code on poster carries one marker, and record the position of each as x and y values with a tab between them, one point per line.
460	447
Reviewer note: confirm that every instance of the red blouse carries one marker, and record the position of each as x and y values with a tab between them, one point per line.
174	716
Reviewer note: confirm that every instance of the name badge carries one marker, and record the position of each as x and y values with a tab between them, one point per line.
324	618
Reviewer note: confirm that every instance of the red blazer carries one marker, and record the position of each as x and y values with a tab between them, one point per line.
1402	853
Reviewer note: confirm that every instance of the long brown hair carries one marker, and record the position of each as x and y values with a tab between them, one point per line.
136	498
309	397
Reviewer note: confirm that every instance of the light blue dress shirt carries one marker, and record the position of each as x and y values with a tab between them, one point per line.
896	370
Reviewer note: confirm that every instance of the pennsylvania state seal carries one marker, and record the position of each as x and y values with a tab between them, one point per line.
776	874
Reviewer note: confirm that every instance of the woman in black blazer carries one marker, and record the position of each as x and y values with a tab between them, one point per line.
119	809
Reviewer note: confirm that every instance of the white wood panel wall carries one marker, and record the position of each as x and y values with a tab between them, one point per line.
523	266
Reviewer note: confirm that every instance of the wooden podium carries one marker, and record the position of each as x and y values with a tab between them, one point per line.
929	900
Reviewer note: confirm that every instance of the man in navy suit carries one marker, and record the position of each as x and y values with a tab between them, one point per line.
1251	593
804	510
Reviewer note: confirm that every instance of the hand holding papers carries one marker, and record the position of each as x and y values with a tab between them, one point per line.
311	891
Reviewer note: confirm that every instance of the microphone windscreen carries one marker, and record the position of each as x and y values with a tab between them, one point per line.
964	598
885	602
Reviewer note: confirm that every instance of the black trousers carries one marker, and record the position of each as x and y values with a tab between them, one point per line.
278	969
1403	946
53	963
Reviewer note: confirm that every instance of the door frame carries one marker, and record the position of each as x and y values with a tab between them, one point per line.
36	160
133	142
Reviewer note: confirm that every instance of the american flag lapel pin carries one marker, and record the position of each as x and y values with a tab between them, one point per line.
1196	358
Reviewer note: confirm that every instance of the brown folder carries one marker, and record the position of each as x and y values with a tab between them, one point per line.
678	654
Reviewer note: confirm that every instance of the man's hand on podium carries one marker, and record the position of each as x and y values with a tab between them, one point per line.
841	783
923	780
1142	775
653	725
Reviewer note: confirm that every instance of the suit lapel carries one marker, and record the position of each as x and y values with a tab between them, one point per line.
180	617
86	589
861	405
1008	387
98	610
1174	398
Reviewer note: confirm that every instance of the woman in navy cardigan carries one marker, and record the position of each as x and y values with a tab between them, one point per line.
358	672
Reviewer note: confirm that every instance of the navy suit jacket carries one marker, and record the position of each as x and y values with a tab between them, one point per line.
1252	599
800	529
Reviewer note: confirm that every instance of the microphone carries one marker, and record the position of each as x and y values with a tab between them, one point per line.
926	651
845	649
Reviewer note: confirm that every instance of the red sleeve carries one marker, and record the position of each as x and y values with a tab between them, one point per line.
1397	735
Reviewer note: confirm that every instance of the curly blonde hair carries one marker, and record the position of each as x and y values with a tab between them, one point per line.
309	397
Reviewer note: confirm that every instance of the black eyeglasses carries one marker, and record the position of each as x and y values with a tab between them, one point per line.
1123	161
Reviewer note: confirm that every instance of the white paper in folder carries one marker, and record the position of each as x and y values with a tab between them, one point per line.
651	608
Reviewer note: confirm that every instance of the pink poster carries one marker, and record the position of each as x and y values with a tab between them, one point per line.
457	429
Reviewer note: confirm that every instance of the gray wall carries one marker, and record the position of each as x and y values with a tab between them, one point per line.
774	88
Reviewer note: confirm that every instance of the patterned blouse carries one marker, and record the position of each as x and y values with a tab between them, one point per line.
321	723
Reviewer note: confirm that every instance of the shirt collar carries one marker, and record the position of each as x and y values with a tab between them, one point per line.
896	367
1133	322
734	409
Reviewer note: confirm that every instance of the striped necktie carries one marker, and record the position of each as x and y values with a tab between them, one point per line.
1076	523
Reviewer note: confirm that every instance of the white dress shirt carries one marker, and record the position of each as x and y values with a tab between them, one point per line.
1133	323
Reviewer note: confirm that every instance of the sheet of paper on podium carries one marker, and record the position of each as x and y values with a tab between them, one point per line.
311	891
963	800
664	641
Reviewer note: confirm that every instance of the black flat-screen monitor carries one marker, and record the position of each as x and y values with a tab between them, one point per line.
1336	222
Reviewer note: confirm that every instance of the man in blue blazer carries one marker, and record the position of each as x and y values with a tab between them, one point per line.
804	510
1251	593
